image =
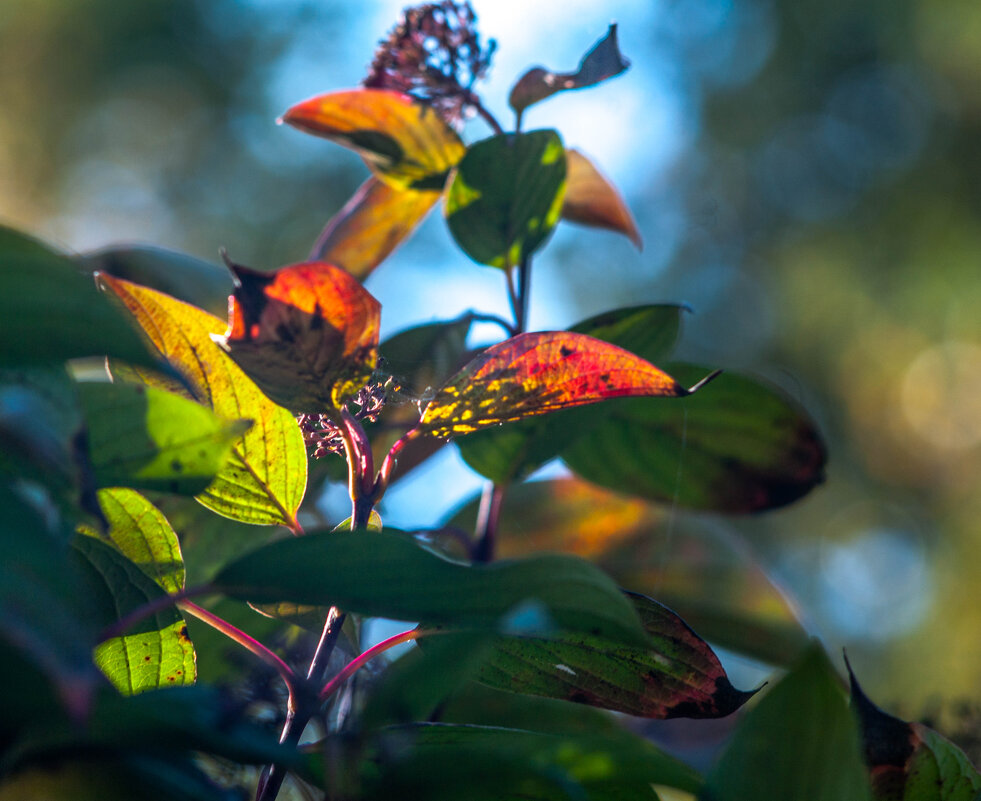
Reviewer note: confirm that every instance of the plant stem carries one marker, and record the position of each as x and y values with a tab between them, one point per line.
524	293
125	623
515	302
487	520
388	464
489	118
359	661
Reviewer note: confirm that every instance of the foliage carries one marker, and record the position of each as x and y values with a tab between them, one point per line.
99	480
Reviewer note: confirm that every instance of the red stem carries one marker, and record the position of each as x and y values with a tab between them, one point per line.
125	623
360	661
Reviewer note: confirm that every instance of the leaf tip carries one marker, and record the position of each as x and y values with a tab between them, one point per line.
698	385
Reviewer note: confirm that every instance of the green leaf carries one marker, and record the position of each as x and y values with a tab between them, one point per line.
264	480
910	762
677	676
513	451
50	310
736	446
506	196
423	357
388	575
158	653
602	62
800	743
143	437
202	283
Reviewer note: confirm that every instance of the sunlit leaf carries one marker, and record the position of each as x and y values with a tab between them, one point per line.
51	310
590	199
203	283
800	743
371	225
603	61
910	762
142	437
511	452
677	676
388	575
536	373
702	571
738	446
506	196
307	334
264	480
404	141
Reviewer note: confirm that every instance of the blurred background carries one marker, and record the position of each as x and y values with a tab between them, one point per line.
805	176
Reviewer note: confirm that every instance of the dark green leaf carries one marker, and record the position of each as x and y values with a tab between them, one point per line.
388	575
800	743
736	446
510	452
184	277
910	762
50	310
143	437
423	357
678	676
506	196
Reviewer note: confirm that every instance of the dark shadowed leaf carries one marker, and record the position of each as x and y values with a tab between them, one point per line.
737	446
404	141
698	568
603	61
677	676
511	452
158	652
537	373
389	575
506	196
203	283
590	199
800	743
423	357
910	762
371	225
51	310
307	334
145	438
253	486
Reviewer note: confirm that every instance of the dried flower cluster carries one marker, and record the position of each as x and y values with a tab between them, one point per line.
434	54
320	433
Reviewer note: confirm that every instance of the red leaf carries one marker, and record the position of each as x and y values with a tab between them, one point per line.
307	334
537	373
371	225
405	143
590	199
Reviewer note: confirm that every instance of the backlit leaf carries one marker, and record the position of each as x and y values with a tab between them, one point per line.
203	283
404	141
511	452
799	743
506	196
590	199
388	575
371	225
603	61
143	437
536	373
677	676
264	479
307	334
910	762
738	446
51	310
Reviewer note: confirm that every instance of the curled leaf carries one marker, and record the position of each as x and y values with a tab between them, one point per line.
371	225
542	372
405	142
590	199
602	62
307	334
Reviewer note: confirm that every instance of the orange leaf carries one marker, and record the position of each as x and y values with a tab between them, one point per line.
371	225
307	334
405	143
590	199
537	373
